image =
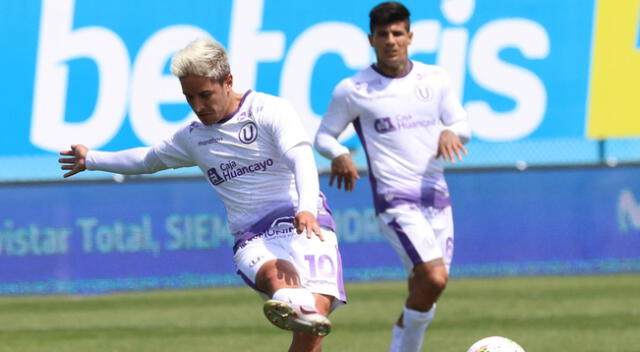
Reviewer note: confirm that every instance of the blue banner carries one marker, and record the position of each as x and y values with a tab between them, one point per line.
84	237
97	72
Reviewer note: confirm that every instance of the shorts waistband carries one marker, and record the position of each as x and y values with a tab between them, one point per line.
324	220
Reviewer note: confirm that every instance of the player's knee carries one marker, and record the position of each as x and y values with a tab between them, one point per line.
431	276
438	280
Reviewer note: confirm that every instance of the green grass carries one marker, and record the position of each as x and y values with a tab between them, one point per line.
580	313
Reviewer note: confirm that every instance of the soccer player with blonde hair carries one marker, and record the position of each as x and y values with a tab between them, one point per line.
253	150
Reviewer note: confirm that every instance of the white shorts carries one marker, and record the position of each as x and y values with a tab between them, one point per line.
419	234
318	262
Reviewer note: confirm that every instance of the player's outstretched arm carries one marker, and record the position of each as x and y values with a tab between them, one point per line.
344	170
77	160
450	146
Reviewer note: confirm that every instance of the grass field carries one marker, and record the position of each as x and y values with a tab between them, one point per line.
580	313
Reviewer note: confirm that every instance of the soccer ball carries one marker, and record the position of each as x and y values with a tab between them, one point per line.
495	344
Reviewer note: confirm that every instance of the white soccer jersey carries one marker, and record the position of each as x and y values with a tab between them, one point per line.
399	121
242	157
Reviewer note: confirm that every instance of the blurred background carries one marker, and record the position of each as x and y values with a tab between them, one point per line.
551	184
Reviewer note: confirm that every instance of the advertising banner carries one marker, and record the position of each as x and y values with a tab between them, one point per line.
615	70
97	72
82	238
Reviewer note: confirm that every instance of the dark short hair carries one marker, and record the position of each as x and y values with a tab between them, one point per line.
386	13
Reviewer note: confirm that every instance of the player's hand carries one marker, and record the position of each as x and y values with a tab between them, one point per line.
77	161
343	168
450	147
305	221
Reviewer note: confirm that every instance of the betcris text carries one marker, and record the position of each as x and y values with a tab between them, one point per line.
136	87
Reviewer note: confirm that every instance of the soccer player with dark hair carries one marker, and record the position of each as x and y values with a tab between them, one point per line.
407	116
253	150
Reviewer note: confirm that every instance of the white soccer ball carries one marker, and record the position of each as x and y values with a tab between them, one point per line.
495	344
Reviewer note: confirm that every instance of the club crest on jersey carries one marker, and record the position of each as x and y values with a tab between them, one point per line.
248	133
423	92
383	125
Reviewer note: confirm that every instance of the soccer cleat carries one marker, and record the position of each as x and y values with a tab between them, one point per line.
296	318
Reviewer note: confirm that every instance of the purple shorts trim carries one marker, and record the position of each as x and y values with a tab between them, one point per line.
429	198
278	216
247	281
343	294
406	243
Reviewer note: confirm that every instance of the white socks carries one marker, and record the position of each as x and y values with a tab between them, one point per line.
396	338
410	338
299	296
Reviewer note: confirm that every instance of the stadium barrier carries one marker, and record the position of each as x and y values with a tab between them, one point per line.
97	237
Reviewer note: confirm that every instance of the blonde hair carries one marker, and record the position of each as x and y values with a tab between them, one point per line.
203	57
